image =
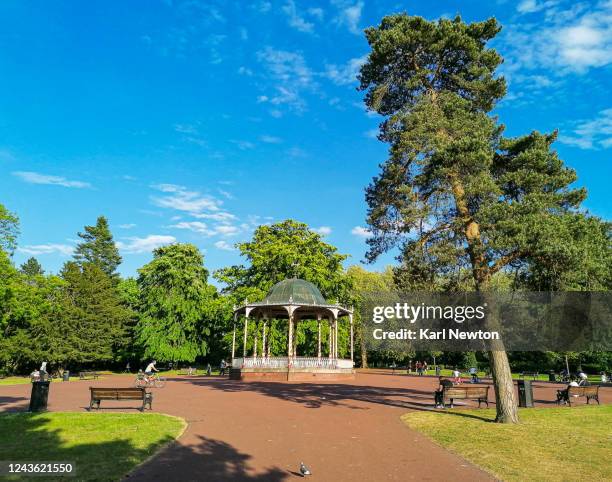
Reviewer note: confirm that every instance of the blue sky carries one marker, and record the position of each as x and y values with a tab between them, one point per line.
196	121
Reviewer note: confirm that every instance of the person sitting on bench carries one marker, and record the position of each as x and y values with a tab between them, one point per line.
474	374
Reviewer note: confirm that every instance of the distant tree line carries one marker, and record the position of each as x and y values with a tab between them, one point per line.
88	316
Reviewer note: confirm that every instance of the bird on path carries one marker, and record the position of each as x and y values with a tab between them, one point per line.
304	470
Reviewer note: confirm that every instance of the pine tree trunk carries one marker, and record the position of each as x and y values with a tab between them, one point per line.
364	355
362	347
505	396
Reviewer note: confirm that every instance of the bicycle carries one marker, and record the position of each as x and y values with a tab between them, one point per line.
154	380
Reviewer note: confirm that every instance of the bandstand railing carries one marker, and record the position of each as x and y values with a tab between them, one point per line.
293	362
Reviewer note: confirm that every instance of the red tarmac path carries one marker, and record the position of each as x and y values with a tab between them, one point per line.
260	431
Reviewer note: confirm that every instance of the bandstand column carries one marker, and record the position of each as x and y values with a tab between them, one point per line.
256	337
290	337
263	341
246	327
319	337
295	336
234	338
331	337
352	342
335	337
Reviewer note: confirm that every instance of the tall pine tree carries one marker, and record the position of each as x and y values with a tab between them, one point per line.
98	247
32	267
454	195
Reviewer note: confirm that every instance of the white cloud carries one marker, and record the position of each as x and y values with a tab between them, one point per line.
569	39
593	133
181	199
224	245
270	139
345	74
530	6
195	226
243	145
245	71
316	12
186	128
137	245
227	230
361	232
127	226
262	7
296	152
38	178
323	230
218	216
349	14
295	19
38	249
289	75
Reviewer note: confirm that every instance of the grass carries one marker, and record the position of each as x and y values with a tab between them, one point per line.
446	372
14	380
549	443
102	446
24	380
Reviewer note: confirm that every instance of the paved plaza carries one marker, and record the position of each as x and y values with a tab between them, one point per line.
261	431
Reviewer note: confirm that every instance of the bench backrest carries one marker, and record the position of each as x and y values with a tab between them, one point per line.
467	392
583	391
128	393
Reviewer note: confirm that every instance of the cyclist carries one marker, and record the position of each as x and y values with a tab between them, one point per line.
149	370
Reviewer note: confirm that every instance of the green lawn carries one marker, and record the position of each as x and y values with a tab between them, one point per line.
550	443
24	380
14	380
103	446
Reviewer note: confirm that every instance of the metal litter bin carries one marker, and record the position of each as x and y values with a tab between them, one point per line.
39	396
525	393
66	376
551	376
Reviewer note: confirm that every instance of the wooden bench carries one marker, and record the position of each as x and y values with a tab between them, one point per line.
129	393
185	371
590	392
449	392
533	375
83	375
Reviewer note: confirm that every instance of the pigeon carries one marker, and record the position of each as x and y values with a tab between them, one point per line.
304	470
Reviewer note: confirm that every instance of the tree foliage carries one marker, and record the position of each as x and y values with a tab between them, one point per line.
285	250
454	195
32	267
178	306
98	247
9	230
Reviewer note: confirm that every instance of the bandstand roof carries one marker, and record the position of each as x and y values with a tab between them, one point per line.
293	294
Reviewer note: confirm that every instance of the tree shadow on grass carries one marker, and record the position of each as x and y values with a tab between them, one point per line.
31	437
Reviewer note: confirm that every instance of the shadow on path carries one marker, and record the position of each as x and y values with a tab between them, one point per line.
210	459
316	395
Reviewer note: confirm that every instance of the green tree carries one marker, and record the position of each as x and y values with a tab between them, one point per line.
98	247
576	257
93	319
178	306
285	250
366	282
9	230
454	195
32	267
